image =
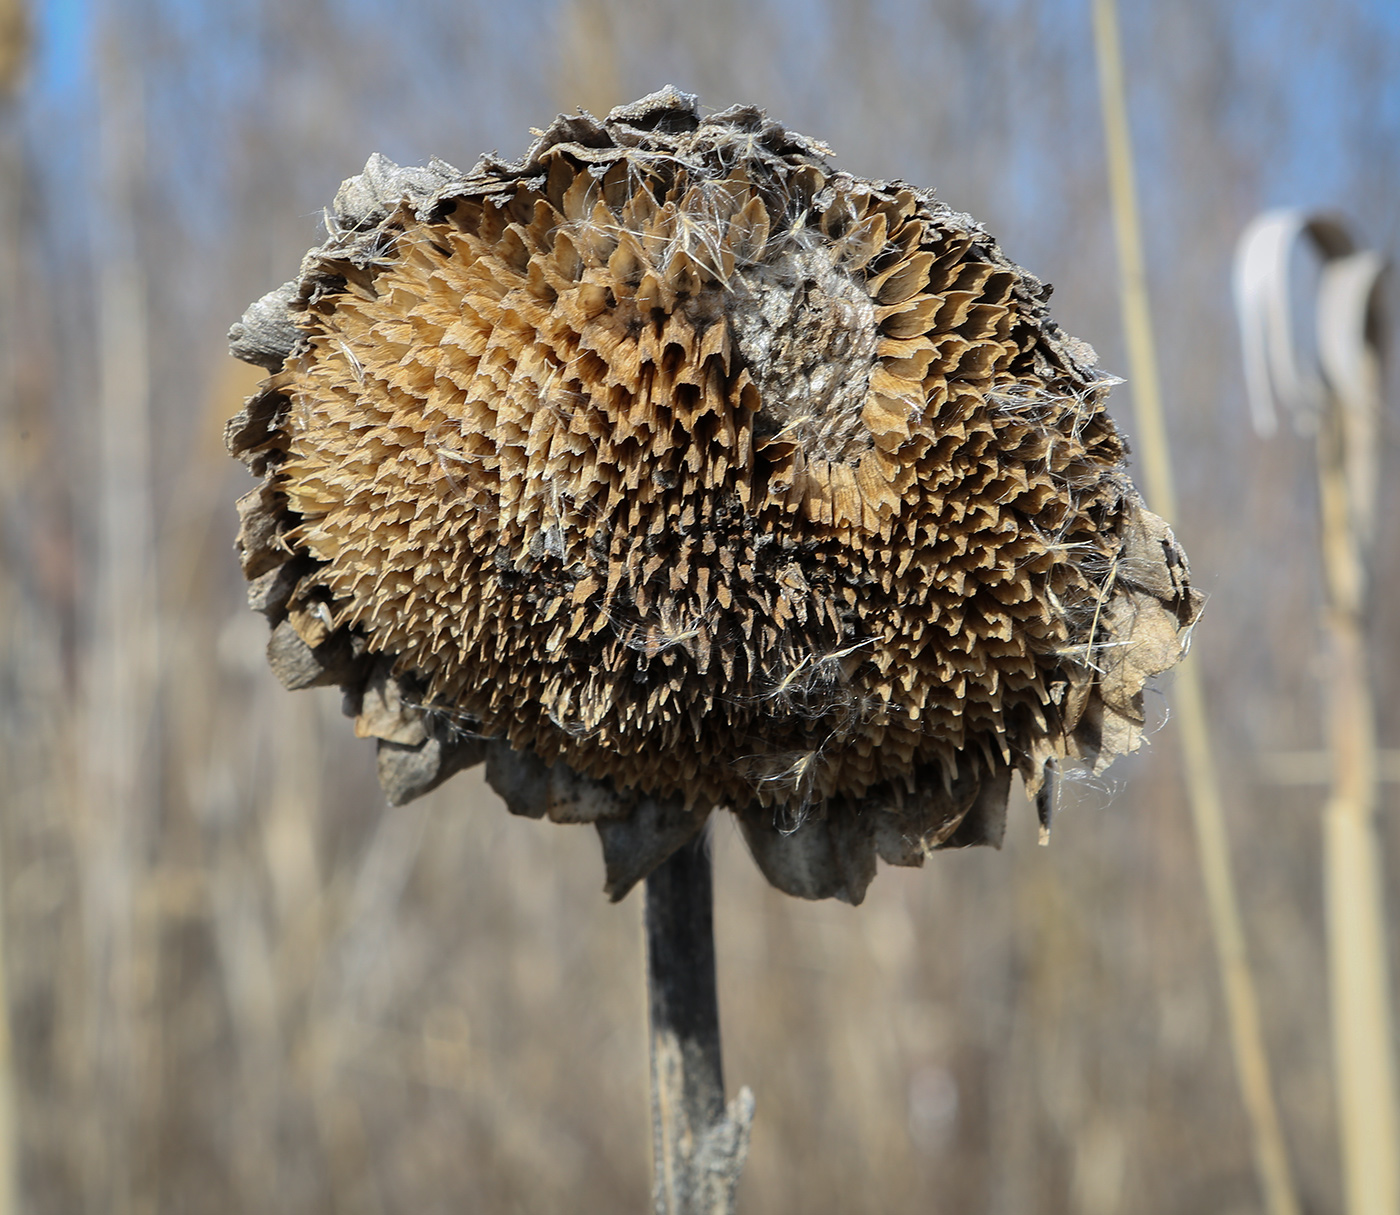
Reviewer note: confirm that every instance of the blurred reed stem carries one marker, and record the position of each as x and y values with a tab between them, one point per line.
588	72
15	48
113	826
1356	945
1202	783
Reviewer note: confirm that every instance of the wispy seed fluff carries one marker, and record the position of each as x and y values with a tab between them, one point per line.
670	468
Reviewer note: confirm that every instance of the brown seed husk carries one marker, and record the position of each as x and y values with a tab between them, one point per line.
671	468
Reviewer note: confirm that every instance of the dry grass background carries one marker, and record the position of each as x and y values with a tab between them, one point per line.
235	981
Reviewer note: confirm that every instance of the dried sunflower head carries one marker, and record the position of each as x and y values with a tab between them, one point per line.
670	468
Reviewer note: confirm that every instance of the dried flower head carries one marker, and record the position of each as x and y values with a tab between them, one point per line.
670	468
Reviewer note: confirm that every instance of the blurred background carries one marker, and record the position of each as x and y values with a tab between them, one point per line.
233	980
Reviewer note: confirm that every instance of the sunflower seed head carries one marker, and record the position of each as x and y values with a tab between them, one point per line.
692	472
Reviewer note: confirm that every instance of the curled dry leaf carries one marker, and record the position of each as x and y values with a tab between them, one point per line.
670	468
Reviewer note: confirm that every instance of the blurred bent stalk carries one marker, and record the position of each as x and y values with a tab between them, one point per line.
1342	406
1361	1018
1202	783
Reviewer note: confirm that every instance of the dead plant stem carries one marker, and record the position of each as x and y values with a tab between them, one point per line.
1356	947
699	1146
1203	789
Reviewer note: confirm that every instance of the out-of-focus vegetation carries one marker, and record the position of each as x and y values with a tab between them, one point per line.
237	982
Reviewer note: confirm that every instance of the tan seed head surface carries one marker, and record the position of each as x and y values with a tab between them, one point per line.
670	468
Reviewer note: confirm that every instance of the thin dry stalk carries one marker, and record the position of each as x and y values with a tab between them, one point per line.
120	678
14	53
588	58
1242	1003
1359	974
8	1154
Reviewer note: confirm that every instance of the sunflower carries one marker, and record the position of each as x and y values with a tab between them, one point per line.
670	468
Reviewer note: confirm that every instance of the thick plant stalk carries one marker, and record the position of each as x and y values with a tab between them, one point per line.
1361	1014
1241	1000
699	1145
1338	397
